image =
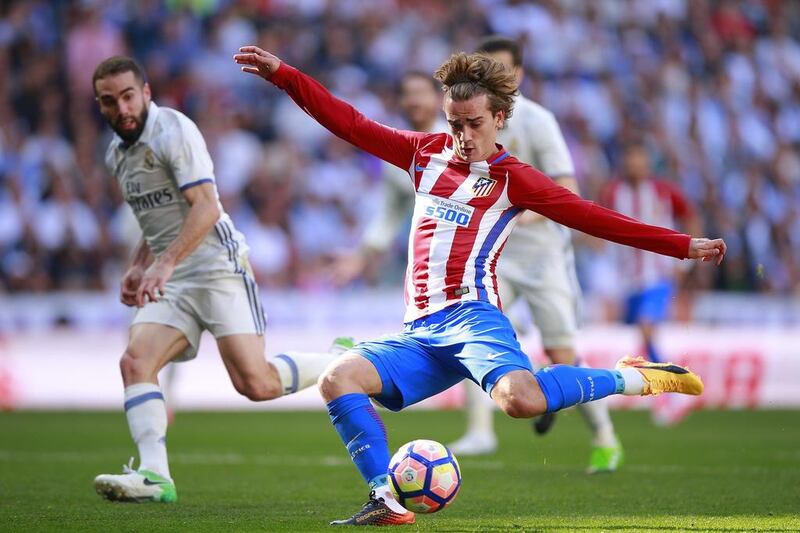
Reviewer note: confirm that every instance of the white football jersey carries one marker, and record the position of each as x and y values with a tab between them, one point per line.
532	135
169	157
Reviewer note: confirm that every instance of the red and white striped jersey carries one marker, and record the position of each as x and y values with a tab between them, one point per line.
465	211
654	201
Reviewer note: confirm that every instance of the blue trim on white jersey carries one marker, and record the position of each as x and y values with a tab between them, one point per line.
251	299
488	244
225	234
194	183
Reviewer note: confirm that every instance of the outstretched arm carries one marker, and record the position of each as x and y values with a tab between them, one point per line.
533	190
340	118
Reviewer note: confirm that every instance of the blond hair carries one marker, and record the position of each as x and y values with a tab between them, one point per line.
465	76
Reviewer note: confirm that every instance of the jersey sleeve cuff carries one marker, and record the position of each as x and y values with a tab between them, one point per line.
195	183
282	76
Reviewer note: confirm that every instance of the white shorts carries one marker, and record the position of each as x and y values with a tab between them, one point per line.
549	286
223	305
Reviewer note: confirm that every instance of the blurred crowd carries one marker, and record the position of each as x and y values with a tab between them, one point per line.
713	87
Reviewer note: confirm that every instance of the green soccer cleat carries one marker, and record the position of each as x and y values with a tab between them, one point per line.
605	459
136	486
342	344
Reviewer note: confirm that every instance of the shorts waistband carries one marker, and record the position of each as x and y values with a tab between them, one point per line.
443	314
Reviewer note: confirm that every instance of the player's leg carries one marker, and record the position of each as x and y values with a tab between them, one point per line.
493	358
554	300
259	378
378	369
480	437
668	409
231	309
520	395
652	308
151	346
346	387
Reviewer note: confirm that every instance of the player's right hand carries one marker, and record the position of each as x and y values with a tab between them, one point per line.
130	284
257	61
154	282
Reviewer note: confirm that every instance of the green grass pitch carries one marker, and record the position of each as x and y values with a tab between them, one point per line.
287	471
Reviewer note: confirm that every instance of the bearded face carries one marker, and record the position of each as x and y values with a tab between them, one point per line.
124	102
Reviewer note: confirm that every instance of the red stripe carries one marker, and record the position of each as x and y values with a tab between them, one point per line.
492	267
423	235
446	184
464	239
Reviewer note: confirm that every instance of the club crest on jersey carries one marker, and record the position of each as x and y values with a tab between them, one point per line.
149	159
483	187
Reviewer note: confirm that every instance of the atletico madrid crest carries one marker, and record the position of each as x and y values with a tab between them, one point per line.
483	187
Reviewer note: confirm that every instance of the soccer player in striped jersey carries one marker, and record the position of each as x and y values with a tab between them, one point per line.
189	273
538	268
469	191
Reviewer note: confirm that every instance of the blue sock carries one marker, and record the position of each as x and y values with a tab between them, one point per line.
362	430
564	385
652	352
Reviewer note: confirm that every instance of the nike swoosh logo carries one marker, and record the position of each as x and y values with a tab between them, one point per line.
495	355
148	482
419	168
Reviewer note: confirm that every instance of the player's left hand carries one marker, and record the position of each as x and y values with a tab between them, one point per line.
153	282
257	61
707	249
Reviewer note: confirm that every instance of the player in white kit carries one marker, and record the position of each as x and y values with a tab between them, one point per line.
189	273
538	268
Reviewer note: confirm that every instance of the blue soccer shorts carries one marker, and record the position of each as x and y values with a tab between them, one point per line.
471	340
650	304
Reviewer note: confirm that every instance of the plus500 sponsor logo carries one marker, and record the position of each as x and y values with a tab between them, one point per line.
448	211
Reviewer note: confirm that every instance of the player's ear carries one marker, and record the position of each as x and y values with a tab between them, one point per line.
500	119
146	92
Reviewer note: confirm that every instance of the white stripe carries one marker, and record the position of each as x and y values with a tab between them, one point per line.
441	244
489	220
433	171
435	167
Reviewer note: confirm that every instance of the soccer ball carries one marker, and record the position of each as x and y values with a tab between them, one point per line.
425	476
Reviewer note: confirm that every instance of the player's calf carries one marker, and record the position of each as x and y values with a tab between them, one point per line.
259	388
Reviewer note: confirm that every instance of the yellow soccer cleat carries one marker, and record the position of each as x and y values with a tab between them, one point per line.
664	377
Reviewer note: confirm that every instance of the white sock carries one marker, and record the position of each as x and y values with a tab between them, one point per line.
634	381
480	412
299	370
599	421
383	491
147	420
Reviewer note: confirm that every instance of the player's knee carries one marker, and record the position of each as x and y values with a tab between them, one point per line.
517	406
335	381
259	390
136	366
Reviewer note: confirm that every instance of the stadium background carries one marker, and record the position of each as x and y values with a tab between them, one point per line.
712	86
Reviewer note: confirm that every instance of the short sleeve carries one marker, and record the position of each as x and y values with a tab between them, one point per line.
187	155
